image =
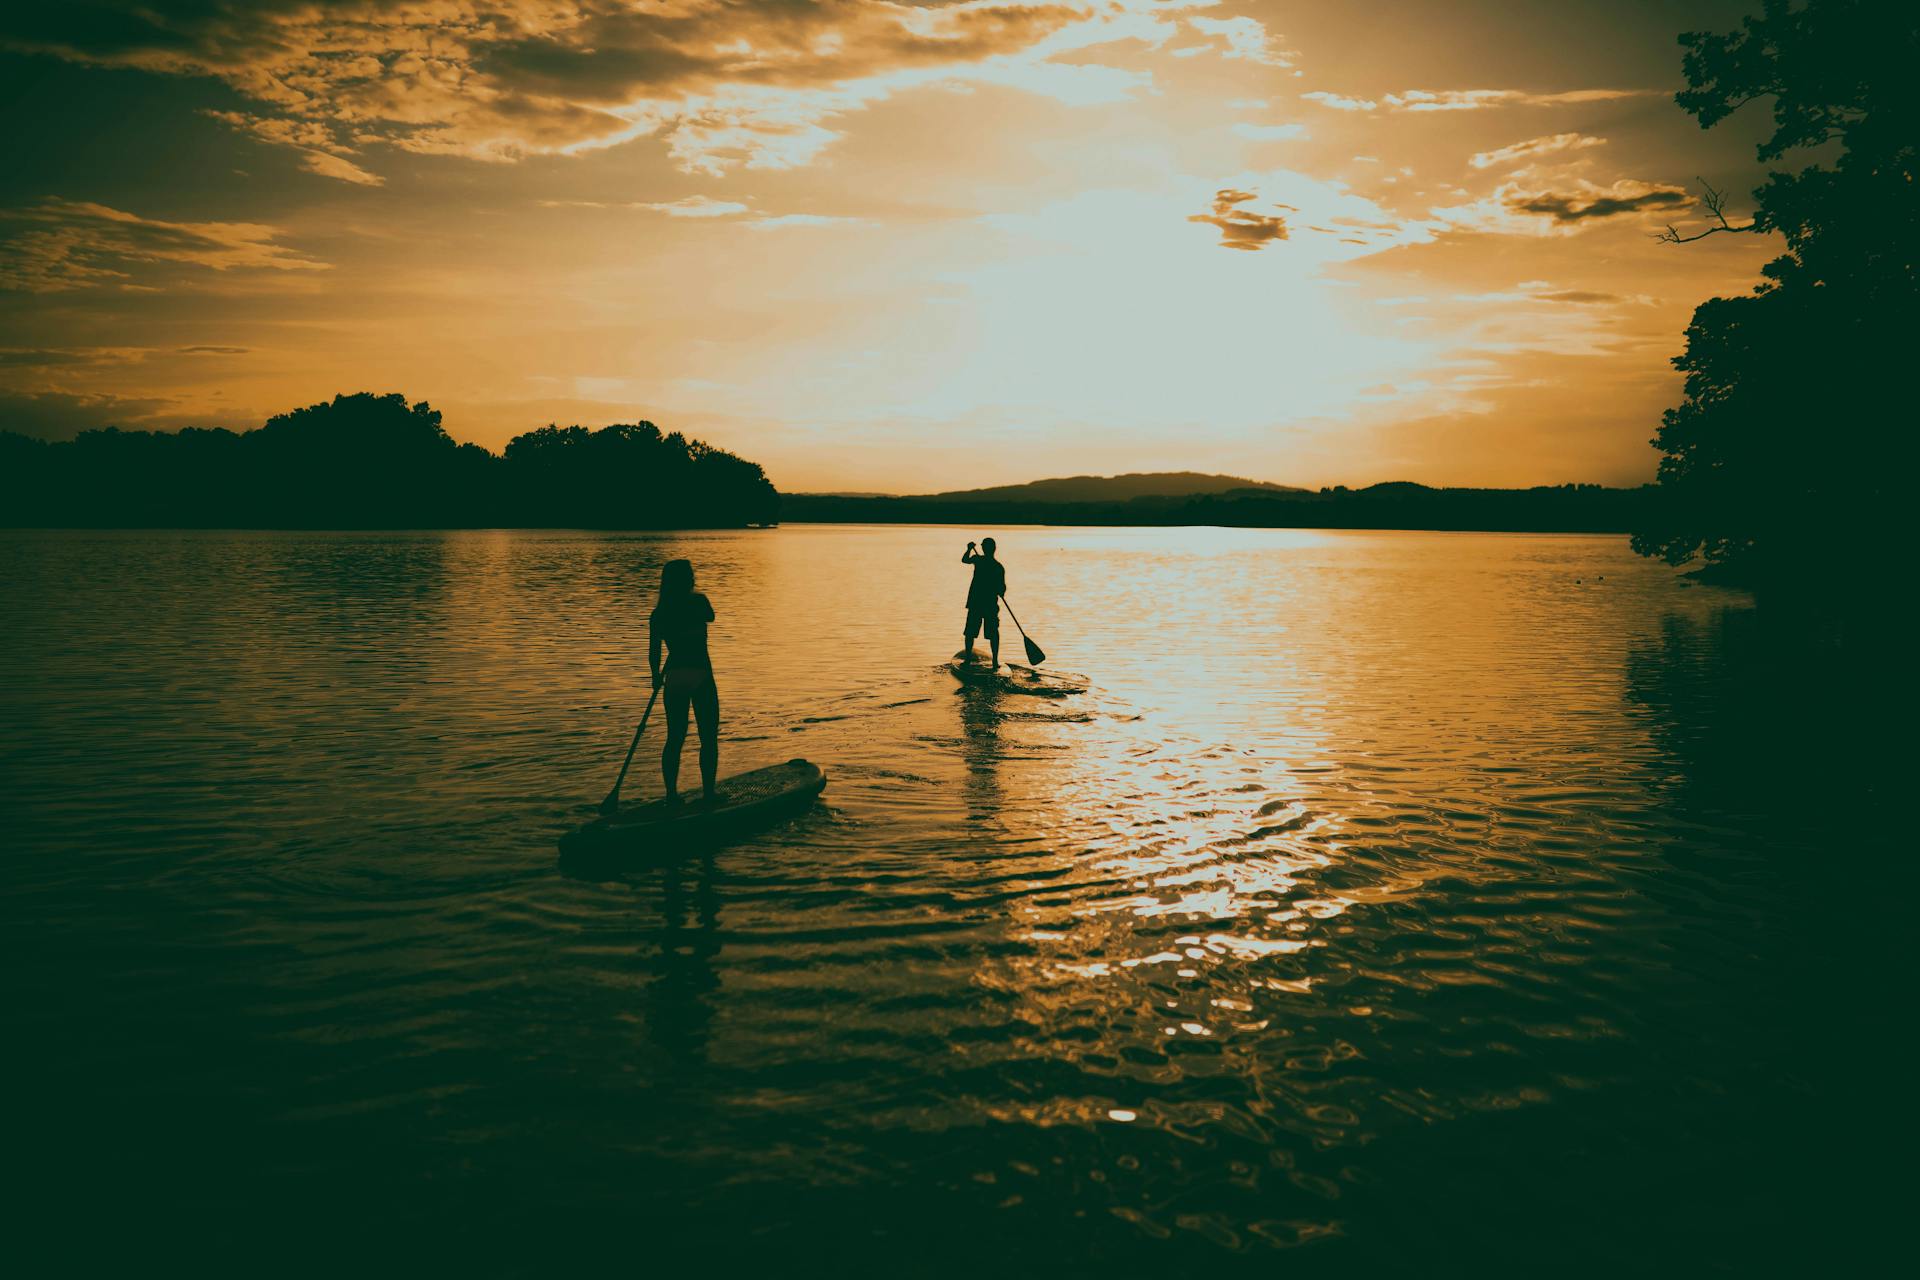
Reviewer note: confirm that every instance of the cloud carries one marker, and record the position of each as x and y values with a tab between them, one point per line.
64	244
1269	132
1241	228
1584	297
214	351
1244	38
1544	291
1339	103
1516	210
1324	220
332	166
59	415
1621	198
776	221
723	83
697	207
68	357
1551	144
319	150
1481	99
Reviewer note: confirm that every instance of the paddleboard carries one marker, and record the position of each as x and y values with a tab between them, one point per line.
1013	677
746	803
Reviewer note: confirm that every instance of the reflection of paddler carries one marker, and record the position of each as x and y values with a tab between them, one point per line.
982	752
1016	679
679	622
983	597
679	1006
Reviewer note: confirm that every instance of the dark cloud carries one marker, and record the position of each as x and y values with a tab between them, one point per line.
214	351
1581	206
1241	228
66	357
495	79
1579	296
641	56
56	415
60	245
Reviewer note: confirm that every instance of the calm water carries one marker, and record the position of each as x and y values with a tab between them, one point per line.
1389	902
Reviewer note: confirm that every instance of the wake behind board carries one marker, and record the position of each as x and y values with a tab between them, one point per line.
1015	678
747	802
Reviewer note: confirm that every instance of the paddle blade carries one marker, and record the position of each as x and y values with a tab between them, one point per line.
1035	654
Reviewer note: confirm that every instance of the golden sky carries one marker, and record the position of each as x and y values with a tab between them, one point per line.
877	246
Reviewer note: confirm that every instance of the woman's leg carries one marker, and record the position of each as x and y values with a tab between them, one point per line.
677	700
706	711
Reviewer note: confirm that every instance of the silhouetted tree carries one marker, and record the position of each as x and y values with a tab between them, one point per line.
1777	465
365	461
633	475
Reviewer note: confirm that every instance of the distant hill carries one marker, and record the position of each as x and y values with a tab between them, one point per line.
1147	484
1143	500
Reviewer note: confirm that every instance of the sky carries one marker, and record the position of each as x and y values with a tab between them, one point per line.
876	246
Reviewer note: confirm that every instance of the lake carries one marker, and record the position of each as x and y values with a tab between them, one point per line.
1388	901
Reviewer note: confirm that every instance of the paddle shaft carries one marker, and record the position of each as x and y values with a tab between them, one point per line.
613	797
1034	654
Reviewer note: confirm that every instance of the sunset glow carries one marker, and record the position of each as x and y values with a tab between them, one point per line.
879	246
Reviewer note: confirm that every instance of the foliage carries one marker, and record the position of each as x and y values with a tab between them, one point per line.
365	461
1796	411
569	475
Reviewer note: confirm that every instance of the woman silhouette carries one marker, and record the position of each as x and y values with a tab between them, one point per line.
679	622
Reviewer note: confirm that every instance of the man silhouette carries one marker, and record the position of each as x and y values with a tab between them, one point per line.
983	598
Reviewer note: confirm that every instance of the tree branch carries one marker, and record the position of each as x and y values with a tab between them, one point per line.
1716	203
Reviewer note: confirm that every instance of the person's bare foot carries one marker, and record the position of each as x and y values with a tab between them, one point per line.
671	798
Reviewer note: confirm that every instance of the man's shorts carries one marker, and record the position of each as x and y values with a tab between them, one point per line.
985	617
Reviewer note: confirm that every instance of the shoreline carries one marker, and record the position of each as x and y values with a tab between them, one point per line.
859	524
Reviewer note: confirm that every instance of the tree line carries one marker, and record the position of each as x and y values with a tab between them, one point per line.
1571	508
374	461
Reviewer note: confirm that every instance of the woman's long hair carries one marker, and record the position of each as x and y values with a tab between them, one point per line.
676	581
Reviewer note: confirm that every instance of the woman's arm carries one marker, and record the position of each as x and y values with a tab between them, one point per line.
653	652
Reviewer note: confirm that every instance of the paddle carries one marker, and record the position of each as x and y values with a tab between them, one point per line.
1035	654
612	802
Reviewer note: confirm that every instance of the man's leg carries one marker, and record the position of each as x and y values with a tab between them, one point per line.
993	636
973	629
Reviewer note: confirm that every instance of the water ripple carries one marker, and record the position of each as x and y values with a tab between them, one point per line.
1366	878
